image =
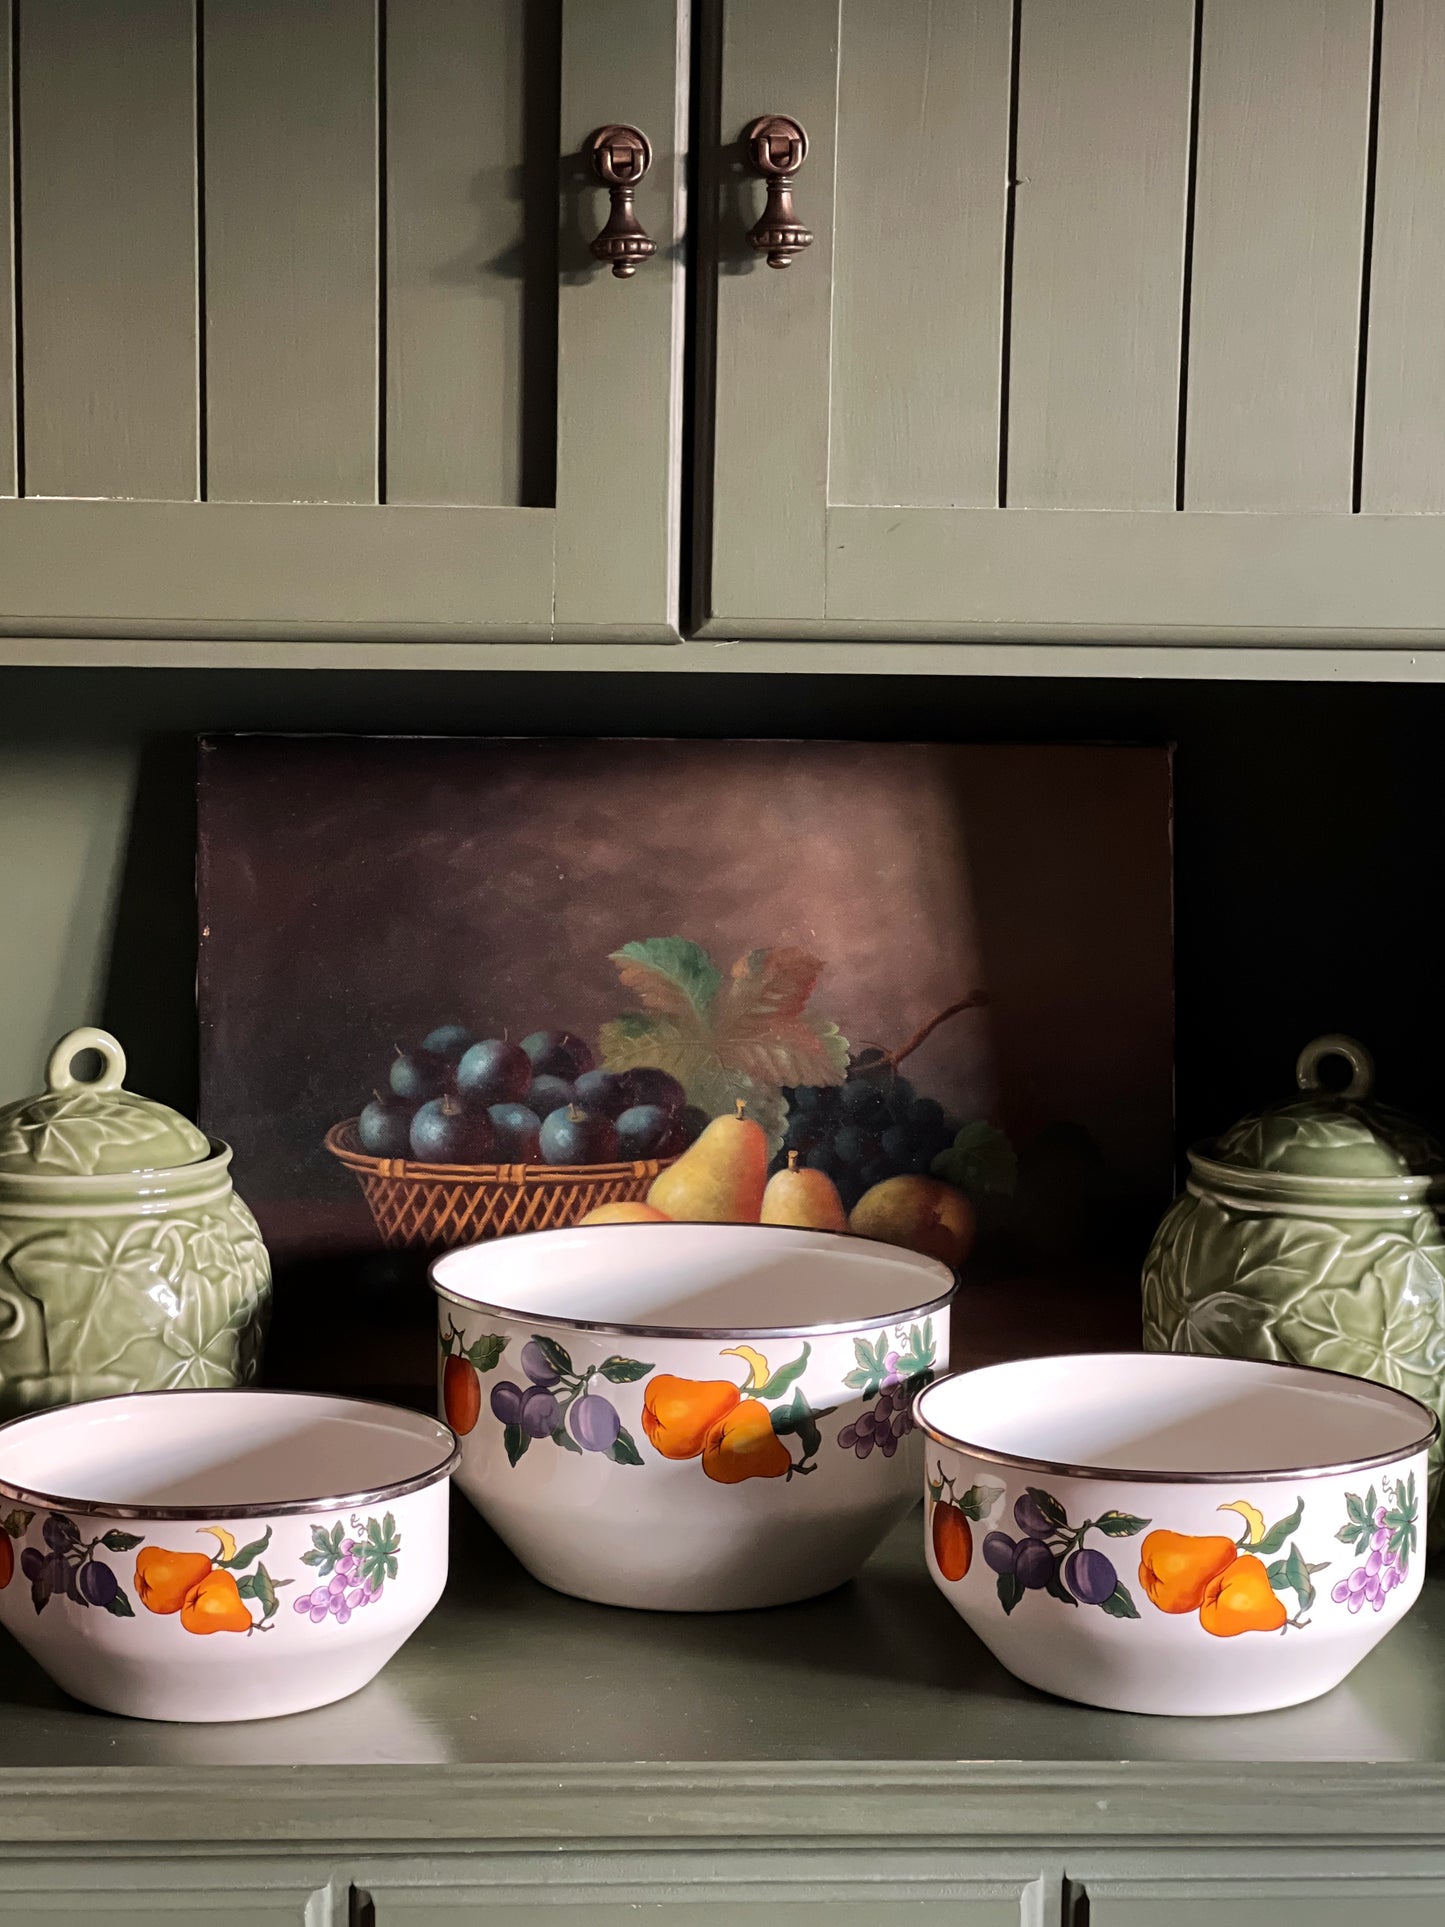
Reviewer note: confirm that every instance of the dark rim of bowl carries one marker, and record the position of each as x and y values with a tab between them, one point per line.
1062	1468
252	1509
829	1329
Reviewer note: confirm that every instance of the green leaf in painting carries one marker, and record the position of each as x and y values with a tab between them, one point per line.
784	1376
979	1161
516	1442
1120	1603
556	1355
623	1371
623	1450
485	1352
979	1501
121	1541
120	1607
1277	1534
670	975
1120	1525
1049	1506
1010	1591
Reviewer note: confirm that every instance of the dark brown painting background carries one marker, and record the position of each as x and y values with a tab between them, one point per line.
355	892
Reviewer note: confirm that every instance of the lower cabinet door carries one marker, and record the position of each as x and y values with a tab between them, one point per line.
453	1907
1303	1903
188	1904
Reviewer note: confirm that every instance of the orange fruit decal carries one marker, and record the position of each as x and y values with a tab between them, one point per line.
215	1606
7	1561
678	1414
743	1445
1175	1568
952	1541
165	1579
461	1394
1241	1600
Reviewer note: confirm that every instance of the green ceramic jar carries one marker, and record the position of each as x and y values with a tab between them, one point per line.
1310	1233
127	1262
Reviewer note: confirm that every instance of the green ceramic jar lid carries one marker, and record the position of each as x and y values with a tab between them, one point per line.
1331	1134
93	1128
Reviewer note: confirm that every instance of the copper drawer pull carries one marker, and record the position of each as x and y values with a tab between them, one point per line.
777	148
620	157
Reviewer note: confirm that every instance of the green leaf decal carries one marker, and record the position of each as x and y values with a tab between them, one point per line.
565	1439
1120	1525
516	1442
1010	1591
623	1450
260	1586
921	1353
1120	1603
556	1355
1277	1534
623	1371
17	1522
979	1501
1297	1576
797	1419
1276	1573
120	1607
1048	1505
785	1375
257	1547
1056	1589
121	1541
485	1353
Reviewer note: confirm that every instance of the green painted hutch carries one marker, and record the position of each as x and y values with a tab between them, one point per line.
1106	403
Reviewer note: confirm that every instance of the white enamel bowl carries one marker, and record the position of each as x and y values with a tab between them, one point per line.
220	1555
1168	1534
689	1417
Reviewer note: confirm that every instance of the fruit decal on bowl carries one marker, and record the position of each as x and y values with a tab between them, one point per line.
462	1365
951	1521
889	1379
352	1567
1049	1555
550	1399
67	1564
1226	1581
210	1593
729	1426
1386	1534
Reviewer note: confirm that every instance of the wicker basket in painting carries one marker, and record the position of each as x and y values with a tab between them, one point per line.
433	1206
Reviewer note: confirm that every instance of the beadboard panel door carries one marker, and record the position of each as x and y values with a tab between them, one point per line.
303	337
1121	323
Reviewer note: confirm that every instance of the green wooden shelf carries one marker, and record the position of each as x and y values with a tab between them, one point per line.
516	1713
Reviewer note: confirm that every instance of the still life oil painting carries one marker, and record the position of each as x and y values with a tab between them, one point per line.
453	989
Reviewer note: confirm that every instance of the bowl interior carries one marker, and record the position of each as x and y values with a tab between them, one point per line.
219	1451
693	1277
1168	1414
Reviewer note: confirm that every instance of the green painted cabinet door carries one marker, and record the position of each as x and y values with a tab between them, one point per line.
1120	322
409	1907
300	335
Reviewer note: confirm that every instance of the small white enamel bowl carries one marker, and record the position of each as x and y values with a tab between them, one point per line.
1160	1533
689	1417
220	1555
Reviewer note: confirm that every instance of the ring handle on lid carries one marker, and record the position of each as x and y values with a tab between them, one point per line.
1336	1044
58	1075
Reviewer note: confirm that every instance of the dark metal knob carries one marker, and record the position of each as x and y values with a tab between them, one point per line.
777	148
620	158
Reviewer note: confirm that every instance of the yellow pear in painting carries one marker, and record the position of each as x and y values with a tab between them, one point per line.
720	1178
807	1199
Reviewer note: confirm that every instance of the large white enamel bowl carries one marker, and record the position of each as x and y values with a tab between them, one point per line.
1161	1533
689	1417
220	1555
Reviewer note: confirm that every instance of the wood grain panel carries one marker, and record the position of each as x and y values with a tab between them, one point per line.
108	234
1404	428
1284	101
1098	265
923	110
8	449
291	250
619	343
770	465
471	291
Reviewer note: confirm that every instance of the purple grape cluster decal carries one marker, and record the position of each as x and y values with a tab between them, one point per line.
351	1567
569	1407
889	1375
1385	1532
1049	1555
